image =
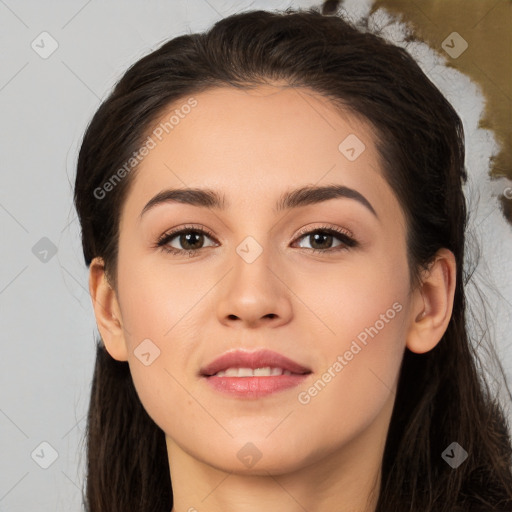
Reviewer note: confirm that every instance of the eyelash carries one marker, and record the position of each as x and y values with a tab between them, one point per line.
347	240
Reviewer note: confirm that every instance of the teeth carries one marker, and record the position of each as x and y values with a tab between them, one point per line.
242	372
249	372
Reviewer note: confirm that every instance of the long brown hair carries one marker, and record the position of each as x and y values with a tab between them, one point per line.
441	397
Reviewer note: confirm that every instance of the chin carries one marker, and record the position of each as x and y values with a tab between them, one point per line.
260	457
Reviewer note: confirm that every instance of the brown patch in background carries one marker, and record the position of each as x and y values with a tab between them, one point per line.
486	25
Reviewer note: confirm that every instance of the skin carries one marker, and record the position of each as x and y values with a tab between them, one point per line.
252	146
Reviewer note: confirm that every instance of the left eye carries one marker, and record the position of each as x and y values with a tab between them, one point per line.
192	239
321	236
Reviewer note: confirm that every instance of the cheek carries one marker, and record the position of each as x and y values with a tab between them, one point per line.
363	299
360	362
362	343
161	333
158	302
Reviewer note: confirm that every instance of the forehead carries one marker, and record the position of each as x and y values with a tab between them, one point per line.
258	143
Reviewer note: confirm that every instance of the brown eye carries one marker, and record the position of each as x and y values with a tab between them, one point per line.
321	239
190	240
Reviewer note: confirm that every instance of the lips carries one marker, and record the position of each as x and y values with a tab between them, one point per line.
253	360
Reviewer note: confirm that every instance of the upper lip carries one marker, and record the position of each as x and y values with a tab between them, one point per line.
256	359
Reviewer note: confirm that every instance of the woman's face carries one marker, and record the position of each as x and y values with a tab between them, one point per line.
254	281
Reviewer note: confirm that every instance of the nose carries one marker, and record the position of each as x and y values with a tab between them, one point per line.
255	294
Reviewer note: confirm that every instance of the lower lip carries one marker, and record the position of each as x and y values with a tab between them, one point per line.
254	387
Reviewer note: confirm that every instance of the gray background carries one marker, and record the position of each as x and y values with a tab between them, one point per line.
47	321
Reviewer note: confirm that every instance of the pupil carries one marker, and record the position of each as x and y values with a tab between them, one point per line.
328	237
185	238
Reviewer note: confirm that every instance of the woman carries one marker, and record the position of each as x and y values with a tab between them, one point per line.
274	223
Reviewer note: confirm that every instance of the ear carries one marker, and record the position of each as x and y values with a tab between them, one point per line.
107	311
433	304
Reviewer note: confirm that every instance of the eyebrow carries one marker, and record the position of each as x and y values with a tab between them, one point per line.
303	196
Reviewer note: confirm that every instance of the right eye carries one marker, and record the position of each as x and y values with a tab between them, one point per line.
188	237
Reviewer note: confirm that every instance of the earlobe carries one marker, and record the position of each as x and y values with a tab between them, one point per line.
106	311
433	304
